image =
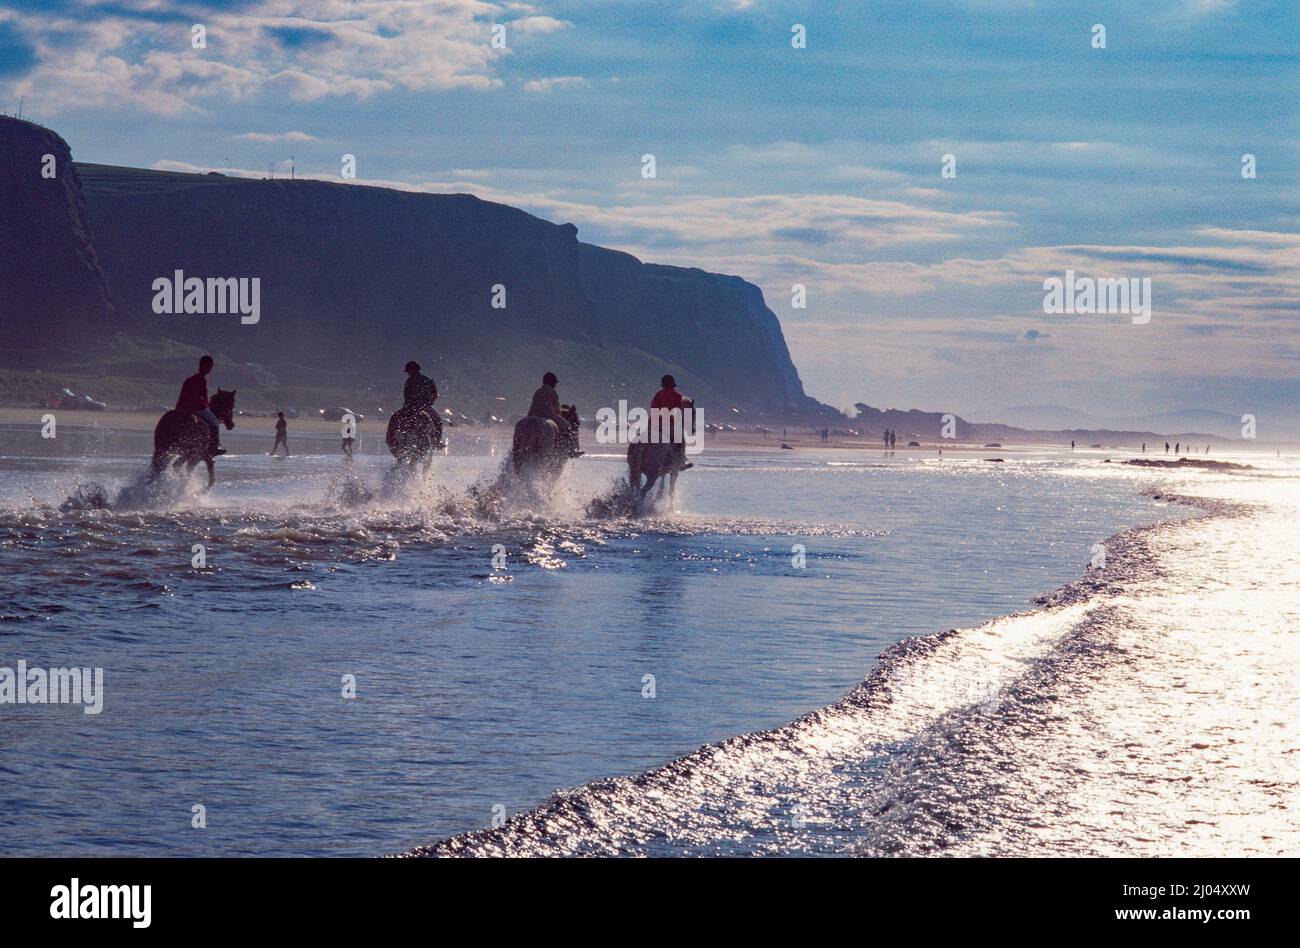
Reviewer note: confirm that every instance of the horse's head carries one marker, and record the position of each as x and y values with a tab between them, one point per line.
570	414
223	406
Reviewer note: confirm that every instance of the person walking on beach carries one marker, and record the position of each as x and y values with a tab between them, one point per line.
281	431
347	446
1144	447
1177	445
893	439
1166	447
1071	444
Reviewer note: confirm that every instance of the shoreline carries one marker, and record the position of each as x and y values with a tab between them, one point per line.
742	441
605	801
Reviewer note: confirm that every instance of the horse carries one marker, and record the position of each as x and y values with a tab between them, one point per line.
539	449
413	435
181	437
656	461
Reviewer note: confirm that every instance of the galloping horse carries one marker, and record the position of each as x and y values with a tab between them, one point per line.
413	435
538	448
655	461
180	437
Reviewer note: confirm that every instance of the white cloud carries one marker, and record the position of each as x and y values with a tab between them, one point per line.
556	82
306	49
276	137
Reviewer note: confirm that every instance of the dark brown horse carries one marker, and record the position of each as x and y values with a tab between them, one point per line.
182	438
413	435
538	449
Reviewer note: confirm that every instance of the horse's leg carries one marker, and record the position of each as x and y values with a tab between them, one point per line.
212	474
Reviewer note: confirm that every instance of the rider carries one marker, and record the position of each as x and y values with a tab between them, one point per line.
419	393
546	404
666	399
194	398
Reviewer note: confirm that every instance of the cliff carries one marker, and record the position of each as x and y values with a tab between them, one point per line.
356	280
54	302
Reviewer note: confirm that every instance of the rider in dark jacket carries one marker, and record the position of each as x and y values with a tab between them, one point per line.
419	392
546	404
194	398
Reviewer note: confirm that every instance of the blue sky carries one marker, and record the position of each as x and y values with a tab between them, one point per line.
818	166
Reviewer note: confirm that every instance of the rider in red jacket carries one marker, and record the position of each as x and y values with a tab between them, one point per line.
668	398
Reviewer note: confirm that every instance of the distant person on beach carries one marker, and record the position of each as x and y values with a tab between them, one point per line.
893	438
194	398
1144	447
1071	444
281	434
1166	447
347	447
1177	445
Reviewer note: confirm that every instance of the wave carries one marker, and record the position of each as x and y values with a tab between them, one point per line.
892	768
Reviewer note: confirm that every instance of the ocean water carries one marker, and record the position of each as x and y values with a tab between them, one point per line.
627	684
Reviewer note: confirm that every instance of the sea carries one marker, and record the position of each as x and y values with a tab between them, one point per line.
817	652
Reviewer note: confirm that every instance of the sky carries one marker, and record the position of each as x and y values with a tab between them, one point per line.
819	166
